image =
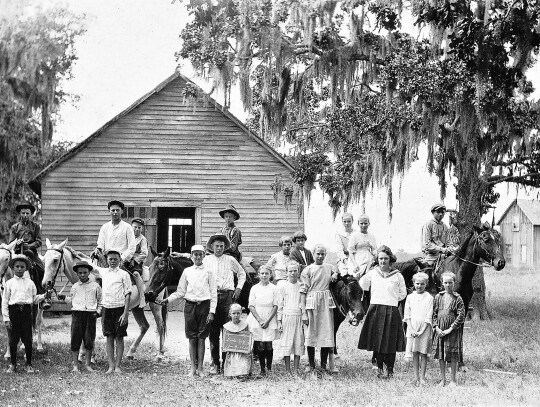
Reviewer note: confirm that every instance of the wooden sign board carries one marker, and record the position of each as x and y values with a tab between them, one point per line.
236	341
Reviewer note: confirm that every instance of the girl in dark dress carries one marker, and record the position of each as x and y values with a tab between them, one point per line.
448	318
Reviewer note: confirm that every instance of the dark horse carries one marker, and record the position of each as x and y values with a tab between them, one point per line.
347	295
483	243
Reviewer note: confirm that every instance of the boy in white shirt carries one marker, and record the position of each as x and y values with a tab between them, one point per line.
198	287
19	294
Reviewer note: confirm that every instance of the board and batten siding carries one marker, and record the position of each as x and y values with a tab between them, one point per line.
167	153
517	238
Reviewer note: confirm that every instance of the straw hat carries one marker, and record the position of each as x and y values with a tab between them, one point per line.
232	209
20	257
218	236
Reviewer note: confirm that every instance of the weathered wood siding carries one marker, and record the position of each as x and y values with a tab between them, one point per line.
166	153
517	238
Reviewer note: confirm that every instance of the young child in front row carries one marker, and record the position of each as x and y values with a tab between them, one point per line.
236	363
85	298
448	319
19	294
418	316
263	305
290	319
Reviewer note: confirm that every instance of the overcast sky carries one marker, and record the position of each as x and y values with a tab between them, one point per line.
129	49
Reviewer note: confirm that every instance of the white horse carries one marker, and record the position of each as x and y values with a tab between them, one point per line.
60	257
6	253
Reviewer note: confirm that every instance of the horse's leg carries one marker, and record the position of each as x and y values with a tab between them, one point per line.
338	319
138	314
158	313
39	327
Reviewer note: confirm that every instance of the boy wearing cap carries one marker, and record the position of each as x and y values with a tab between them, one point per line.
230	214
19	294
85	298
116	294
435	235
198	287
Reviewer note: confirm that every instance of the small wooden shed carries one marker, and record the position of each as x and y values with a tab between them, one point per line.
520	232
175	164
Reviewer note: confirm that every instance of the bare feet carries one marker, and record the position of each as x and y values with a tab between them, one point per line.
75	370
202	374
422	382
117	370
89	369
192	373
110	370
11	369
30	369
452	384
442	383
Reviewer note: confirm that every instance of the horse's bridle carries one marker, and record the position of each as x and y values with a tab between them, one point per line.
60	263
490	256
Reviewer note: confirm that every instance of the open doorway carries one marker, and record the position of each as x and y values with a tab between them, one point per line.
175	228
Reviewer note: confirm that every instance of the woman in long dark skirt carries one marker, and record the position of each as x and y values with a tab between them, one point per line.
382	331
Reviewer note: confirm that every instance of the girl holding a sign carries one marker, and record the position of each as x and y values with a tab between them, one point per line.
237	342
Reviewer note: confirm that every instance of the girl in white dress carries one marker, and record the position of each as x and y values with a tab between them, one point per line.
290	320
362	247
262	322
418	317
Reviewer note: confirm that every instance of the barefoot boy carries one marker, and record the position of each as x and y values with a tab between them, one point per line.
116	293
85	301
198	287
19	294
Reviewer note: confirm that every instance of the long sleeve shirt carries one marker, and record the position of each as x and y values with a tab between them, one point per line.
234	235
141	249
278	263
418	310
85	296
19	290
362	246
196	284
30	232
385	290
118	237
224	268
341	243
434	239
116	284
289	302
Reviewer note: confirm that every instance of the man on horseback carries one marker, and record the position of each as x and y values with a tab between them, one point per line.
435	236
342	242
224	268
27	233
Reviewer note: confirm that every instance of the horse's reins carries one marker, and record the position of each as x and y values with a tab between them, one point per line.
484	248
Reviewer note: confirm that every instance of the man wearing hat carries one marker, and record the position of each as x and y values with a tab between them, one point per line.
224	268
137	266
26	232
435	235
230	214
116	235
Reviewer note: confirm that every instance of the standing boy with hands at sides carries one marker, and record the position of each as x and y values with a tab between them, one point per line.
116	289
19	294
85	299
198	287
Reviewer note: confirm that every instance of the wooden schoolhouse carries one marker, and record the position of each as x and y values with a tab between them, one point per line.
176	165
520	233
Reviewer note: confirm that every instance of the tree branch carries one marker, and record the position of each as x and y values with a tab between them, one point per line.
519	160
519	179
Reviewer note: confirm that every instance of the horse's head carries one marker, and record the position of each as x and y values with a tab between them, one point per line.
6	252
352	295
488	246
434	284
53	259
165	271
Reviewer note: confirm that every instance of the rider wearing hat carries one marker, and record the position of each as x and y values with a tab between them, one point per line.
230	214
26	232
435	235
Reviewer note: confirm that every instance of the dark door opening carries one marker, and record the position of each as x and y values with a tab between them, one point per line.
175	229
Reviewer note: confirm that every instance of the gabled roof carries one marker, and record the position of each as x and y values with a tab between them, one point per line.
35	182
530	208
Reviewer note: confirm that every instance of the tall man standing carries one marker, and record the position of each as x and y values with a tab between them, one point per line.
224	268
26	232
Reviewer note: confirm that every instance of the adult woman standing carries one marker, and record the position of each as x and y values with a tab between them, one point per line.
382	331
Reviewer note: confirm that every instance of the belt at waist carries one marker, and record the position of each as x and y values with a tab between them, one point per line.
196	302
224	291
19	305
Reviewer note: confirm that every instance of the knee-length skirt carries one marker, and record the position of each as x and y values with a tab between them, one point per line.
382	330
292	338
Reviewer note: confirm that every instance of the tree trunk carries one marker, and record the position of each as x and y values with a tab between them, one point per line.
45	129
478	303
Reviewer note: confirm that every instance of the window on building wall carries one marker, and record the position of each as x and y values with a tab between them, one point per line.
515	223
524	253
508	251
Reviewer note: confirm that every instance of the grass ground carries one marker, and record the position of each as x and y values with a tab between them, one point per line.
507	344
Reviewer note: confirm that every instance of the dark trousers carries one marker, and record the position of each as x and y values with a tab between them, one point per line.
83	330
20	316
220	318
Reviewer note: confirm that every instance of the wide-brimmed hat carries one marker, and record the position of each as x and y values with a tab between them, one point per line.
25	205
232	209
113	251
20	257
218	236
138	220
115	202
82	264
438	207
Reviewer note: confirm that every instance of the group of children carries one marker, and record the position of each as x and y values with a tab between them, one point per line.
294	311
